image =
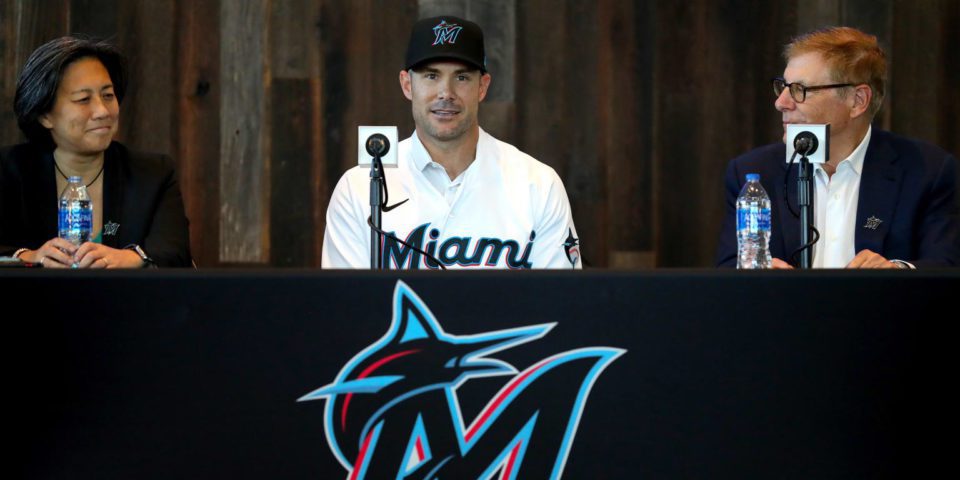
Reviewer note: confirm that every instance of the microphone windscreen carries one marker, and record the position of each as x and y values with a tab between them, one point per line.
806	143
378	145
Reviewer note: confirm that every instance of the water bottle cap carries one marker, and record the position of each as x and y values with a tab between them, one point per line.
74	179
753	177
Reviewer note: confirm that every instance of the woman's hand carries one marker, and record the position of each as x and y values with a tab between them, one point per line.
59	253
56	253
95	255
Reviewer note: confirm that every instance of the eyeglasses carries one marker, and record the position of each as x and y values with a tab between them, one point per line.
798	91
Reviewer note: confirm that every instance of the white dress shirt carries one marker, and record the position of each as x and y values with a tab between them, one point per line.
438	177
835	209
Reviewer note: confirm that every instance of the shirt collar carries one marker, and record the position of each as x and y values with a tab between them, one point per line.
418	153
858	154
421	157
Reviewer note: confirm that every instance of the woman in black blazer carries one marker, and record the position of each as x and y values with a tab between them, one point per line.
68	105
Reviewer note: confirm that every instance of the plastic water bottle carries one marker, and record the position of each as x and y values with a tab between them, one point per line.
753	225
76	212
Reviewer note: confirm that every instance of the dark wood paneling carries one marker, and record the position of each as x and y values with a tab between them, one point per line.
714	102
947	107
100	18
146	37
876	17
26	24
638	104
918	63
542	83
585	177
244	143
818	14
498	20
9	69
197	135
624	116
292	202
294	63
364	43
686	30
35	23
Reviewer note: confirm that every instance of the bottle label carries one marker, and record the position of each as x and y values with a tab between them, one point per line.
753	219
75	220
763	219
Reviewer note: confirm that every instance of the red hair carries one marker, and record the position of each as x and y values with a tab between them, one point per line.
851	55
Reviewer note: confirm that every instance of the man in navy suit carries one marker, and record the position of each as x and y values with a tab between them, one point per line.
881	201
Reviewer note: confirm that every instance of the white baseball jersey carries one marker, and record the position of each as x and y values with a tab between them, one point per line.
506	210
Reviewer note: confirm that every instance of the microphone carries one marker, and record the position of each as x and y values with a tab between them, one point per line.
376	141
807	140
806	143
378	145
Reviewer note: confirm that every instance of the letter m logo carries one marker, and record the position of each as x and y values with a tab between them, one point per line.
446	33
394	410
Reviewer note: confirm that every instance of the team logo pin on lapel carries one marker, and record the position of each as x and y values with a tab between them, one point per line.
110	228
872	223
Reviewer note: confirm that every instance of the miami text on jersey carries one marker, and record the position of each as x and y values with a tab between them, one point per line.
464	251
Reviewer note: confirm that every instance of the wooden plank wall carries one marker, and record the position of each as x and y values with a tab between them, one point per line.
637	104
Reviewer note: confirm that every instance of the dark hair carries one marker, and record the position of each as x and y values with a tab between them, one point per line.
38	82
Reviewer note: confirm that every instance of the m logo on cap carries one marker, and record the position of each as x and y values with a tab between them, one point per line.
446	32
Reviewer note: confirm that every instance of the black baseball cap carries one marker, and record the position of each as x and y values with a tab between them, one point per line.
446	37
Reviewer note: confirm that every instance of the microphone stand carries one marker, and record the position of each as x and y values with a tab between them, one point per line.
805	201
376	187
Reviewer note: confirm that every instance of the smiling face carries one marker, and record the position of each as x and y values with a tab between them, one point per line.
445	98
86	113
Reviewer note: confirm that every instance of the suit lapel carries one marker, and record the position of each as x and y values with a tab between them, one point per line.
879	189
112	198
44	202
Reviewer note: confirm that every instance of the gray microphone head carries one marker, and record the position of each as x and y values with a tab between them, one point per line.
805	143
378	145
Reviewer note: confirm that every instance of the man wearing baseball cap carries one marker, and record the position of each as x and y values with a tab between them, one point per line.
469	200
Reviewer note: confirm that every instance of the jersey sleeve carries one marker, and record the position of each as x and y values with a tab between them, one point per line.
346	236
557	244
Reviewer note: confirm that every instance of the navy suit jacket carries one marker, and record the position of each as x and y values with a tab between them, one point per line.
140	195
909	185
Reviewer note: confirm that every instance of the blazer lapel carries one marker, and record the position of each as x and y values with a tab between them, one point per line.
44	202
112	198
879	189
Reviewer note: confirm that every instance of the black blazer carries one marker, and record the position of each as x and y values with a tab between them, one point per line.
140	194
911	186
